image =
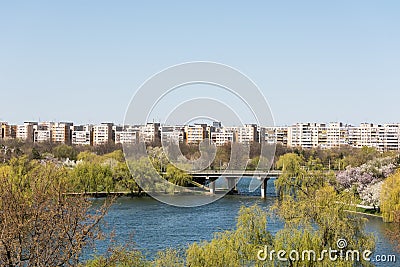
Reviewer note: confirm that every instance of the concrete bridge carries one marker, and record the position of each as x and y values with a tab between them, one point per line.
200	178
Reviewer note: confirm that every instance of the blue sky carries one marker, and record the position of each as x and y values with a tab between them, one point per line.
82	61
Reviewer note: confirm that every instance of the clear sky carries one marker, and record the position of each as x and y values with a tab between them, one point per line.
318	61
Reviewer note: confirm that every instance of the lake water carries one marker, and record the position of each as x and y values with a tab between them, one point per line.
156	226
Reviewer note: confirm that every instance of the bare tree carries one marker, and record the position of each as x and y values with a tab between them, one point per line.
40	225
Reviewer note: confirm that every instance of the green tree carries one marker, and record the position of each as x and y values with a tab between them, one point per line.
361	156
35	154
93	177
65	152
315	214
119	257
143	174
234	248
390	197
177	176
292	174
253	163
123	176
169	258
88	156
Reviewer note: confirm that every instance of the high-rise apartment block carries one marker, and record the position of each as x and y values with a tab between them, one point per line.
172	133
126	134
61	132
195	133
82	135
150	132
102	133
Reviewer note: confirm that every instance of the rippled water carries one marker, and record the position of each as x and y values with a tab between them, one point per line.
156	226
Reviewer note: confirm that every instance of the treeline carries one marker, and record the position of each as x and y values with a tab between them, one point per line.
333	159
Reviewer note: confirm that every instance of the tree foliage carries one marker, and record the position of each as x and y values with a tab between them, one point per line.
390	197
315	214
65	152
233	248
40	225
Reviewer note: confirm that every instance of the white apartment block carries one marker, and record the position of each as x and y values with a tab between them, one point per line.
307	135
222	136
126	135
172	134
42	132
310	135
82	135
272	135
41	136
102	133
245	134
368	135
149	132
25	131
389	136
337	135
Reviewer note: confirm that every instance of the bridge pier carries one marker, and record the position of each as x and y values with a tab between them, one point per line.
264	187
231	183
212	187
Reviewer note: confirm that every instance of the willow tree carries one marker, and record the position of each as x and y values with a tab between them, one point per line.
177	176
238	247
390	206
316	215
93	177
390	197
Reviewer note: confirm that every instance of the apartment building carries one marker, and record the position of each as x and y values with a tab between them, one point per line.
196	133
245	134
389	137
102	133
25	131
150	132
368	135
337	135
222	136
172	134
126	134
82	135
42	132
307	135
61	132
7	131
3	129
272	135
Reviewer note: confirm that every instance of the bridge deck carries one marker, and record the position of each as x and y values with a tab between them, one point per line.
233	173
